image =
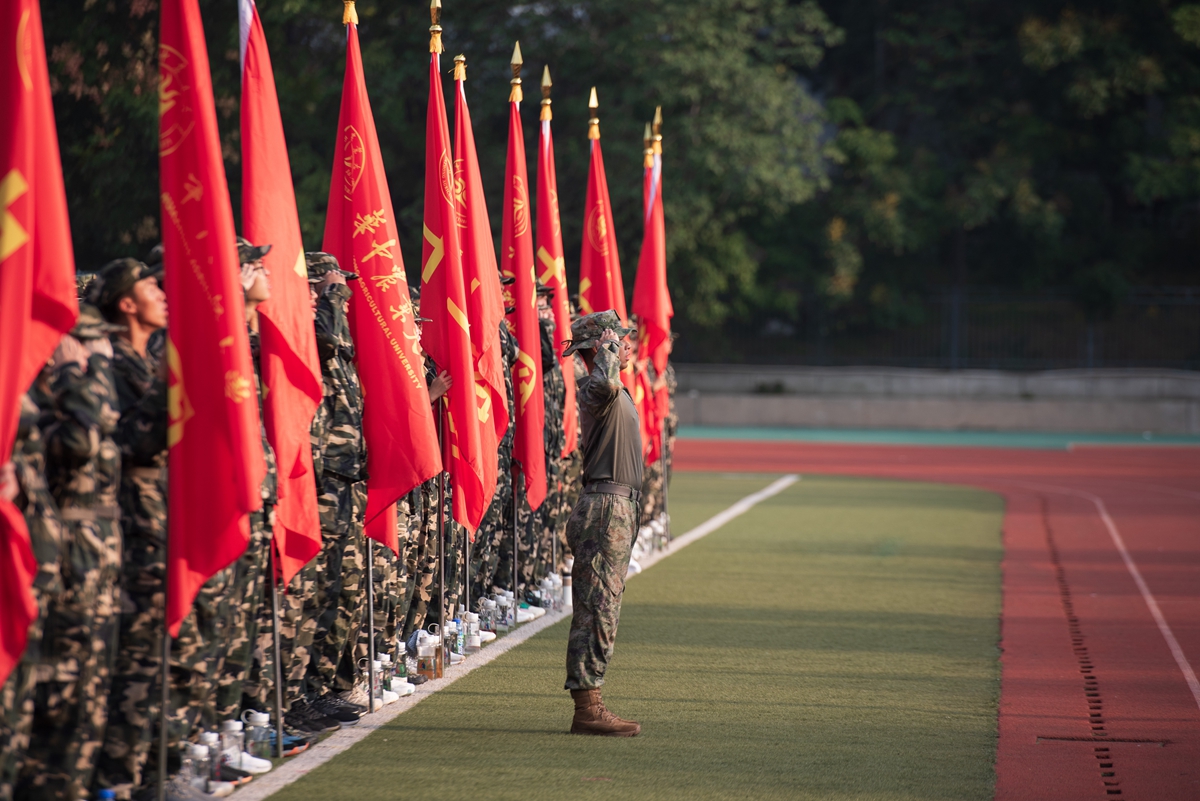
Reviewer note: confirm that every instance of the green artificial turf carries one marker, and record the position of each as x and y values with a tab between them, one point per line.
838	641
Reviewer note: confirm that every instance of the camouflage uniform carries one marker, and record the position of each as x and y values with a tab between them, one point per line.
46	537
249	588
389	581
492	558
552	514
79	640
602	526
421	558
337	604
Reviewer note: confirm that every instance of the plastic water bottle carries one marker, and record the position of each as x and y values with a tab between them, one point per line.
568	597
212	741
449	637
187	771
201	765
388	671
487	615
233	742
106	795
460	636
471	642
258	733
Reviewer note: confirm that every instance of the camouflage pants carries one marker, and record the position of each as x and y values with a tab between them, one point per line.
386	578
241	632
421	562
75	665
296	630
652	492
340	594
16	707
488	565
600	532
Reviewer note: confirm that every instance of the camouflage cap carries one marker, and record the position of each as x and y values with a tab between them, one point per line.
542	289
154	260
586	331
83	283
248	252
320	264
115	280
91	325
507	279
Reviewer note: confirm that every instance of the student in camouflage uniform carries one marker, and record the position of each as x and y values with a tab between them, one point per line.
23	482
337	603
604	522
250	580
492	562
553	514
126	293
77	649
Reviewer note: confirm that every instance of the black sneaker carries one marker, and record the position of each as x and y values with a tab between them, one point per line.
335	708
228	773
304	718
417	679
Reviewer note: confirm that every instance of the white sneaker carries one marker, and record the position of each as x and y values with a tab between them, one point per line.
406	689
390	697
634	567
486	636
219	789
252	764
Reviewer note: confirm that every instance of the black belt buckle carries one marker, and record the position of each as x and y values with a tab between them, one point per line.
613	488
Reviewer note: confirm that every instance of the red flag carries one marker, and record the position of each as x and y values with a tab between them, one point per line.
550	264
485	303
360	229
447	336
600	283
291	370
516	243
643	398
651	298
37	280
215	460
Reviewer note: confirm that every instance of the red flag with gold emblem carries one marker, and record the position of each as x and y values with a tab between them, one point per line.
447	336
485	302
516	245
600	284
550	264
651	297
360	229
37	280
291	369
215	459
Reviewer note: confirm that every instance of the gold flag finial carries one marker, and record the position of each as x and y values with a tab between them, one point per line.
515	95
435	30
648	151
594	122
349	15
658	130
460	67
546	84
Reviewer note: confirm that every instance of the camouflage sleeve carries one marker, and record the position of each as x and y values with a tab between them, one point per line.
604	382
142	432
317	433
74	437
333	327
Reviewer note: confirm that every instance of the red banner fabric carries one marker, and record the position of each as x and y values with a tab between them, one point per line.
552	272
215	459
485	303
600	284
447	336
291	369
516	245
651	298
37	280
360	229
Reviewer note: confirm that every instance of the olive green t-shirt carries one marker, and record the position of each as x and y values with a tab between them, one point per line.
612	437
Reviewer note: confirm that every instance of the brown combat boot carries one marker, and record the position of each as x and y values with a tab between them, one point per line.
591	717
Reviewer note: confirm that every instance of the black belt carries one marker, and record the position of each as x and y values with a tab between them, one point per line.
610	488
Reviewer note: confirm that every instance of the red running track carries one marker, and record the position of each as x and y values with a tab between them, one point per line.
1100	628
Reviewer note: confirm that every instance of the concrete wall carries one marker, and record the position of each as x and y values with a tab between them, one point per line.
1107	400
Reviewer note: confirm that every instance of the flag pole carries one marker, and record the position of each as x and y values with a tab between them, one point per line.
165	700
370	624
277	652
441	538
516	541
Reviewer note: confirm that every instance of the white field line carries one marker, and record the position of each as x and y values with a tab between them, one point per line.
299	766
1114	534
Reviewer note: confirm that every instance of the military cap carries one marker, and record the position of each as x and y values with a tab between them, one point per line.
91	325
507	279
414	295
83	282
586	331
320	264
115	280
248	252
154	260
542	289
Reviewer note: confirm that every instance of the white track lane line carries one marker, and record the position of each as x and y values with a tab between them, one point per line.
1114	534
299	766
